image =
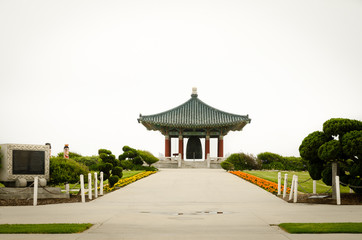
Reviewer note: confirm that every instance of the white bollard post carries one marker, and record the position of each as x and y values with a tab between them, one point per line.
279	182
101	184
89	186
82	188
95	185
67	188
35	196
314	186
350	190
295	189
338	191
285	185
291	189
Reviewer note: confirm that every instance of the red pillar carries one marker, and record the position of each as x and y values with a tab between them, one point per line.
207	145
220	149
167	146
181	146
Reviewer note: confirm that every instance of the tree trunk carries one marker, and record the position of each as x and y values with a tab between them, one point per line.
334	174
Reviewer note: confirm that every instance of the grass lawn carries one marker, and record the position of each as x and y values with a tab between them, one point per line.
127	174
302	176
322	227
45	228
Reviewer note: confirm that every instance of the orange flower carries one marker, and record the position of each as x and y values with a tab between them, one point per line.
267	185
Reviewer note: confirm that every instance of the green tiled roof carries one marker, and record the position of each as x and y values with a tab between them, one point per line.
194	114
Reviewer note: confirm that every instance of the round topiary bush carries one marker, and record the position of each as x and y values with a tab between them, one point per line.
65	170
105	168
117	171
113	180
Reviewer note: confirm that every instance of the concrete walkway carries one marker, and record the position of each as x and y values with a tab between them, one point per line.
184	204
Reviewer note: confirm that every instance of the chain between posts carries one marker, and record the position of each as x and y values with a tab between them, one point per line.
48	190
22	190
306	180
74	186
345	184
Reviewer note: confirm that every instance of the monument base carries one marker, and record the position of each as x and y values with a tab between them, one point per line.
28	193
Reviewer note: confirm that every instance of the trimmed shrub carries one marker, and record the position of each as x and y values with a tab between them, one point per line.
330	151
315	171
268	157
147	157
72	155
294	164
104	151
137	161
113	180
65	170
128	153
91	162
327	175
106	169
277	162
127	164
117	171
242	161
356	177
271	161
228	166
340	142
276	166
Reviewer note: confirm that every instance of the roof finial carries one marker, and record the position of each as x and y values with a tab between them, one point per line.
194	92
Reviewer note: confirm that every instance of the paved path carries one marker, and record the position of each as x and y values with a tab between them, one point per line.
184	204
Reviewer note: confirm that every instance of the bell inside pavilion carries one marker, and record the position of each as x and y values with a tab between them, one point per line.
194	120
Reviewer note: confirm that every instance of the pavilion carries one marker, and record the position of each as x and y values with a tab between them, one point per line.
194	119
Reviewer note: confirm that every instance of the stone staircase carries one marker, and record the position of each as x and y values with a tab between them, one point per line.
186	164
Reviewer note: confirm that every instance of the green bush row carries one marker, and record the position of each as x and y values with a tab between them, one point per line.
266	160
241	161
275	161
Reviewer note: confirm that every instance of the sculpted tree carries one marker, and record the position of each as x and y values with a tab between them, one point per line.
131	158
147	157
110	166
308	150
338	146
131	155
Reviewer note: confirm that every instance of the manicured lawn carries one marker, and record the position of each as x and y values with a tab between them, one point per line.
127	174
45	228
322	227
302	176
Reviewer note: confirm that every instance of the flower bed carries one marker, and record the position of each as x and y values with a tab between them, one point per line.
125	181
267	185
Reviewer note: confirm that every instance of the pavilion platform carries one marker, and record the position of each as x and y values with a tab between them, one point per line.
177	162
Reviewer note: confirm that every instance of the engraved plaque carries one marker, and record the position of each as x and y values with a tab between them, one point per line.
28	162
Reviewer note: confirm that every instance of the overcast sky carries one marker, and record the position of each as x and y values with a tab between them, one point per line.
80	72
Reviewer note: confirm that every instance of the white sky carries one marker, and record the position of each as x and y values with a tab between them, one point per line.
81	72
